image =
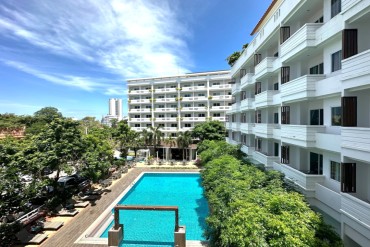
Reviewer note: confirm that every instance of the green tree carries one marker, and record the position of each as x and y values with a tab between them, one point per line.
210	130
89	123
170	141
209	150
231	60
123	135
156	136
48	114
183	140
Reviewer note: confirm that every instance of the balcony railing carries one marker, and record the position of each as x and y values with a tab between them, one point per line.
221	119
221	97
172	129
235	88
246	80
235	107
356	142
246	128
139	92
301	135
306	181
265	98
247	104
220	87
305	37
193	119
165	90
327	196
265	159
140	120
220	108
191	109
192	89
247	150
140	110
197	98
166	119
264	67
356	70
165	109
139	101
164	100
235	126
265	130
138	128
355	208
300	88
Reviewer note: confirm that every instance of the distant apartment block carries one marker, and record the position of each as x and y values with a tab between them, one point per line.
115	111
301	105
178	103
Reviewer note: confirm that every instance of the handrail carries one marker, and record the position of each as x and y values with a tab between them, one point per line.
142	207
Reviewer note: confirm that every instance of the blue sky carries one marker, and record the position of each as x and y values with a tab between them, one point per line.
76	54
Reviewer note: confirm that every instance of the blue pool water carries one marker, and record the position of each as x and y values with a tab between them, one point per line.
156	228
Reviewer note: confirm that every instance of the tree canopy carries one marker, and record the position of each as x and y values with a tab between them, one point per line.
210	130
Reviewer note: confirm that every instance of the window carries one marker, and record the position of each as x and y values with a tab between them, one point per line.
257	59
336	116
257	88
161	125
217	114
276	149
174	96
258	144
348	178
285	115
216	104
349	43
148	125
317	70
336	61
315	163
147	88
173	86
335	170
161	97
187	115
216	83
137	116
201	115
336	7
147	97
173	134
148	116
187	95
284	34
200	105
349	111
160	87
229	93
276	86
137	107
161	106
137	125
136	88
285	74
173	106
187	125
148	106
258	116
201	85
161	115
186	85
200	94
174	125
317	117
320	20
173	115
276	118
187	105
216	94
285	154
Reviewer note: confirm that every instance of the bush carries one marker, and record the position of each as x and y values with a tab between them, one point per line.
7	233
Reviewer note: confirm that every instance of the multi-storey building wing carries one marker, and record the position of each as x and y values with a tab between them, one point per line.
178	103
301	105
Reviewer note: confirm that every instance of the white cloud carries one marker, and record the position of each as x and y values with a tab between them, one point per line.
130	38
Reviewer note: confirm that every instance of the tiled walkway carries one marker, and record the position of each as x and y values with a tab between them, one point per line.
69	233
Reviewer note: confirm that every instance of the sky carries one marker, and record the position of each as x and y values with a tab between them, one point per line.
76	54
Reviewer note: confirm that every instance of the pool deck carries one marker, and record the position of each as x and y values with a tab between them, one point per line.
70	232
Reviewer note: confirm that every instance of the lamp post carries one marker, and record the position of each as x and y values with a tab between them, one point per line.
157	155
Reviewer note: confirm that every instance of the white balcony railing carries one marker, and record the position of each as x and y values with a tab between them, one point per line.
139	92
306	181
139	101
305	37
235	107
165	90
197	98
247	150
164	100
220	87
220	97
265	159
235	126
246	80
357	209
327	196
265	98
172	129
138	128
192	89
300	135
221	119
300	88
356	142
247	104
348	4
166	119
165	109
191	109
235	88
264	67
193	119
246	128
140	120
265	130
356	70
140	110
220	108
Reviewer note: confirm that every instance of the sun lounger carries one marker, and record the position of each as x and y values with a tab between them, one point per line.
85	197
83	204
67	212
27	238
52	226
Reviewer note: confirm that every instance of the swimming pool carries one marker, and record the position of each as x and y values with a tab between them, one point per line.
156	228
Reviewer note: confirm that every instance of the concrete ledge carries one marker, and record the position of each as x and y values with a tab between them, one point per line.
115	237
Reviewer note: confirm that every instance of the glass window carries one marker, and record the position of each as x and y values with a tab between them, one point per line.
276	86
216	83
317	117
148	125
148	116
173	86
201	85
217	114
335	170
316	163
137	116
148	106
201	115
336	61
161	115
336	116
173	125
200	94
173	115
187	105
137	107
137	125
317	70
173	106
161	106
276	118
161	97
187	115
336	7
216	104
187	95
187	125
201	105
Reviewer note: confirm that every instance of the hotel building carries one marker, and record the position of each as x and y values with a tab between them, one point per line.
301	105
178	103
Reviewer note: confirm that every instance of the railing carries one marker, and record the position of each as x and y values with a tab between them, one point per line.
165	109
220	108
222	119
191	89
327	196
247	150
265	98
221	97
265	66
199	108
356	138
137	120
265	129
165	90
139	101
162	100
246	80
306	181
224	86
265	159
348	4
356	66
246	128
198	98
167	119
196	119
299	88
356	208
246	104
235	88
304	135
133	92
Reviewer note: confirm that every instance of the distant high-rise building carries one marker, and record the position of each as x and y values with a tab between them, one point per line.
115	111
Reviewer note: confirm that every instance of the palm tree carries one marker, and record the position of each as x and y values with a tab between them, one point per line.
147	136
171	142
157	136
183	141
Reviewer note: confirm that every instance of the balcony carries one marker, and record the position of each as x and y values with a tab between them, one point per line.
139	101
228	125
247	104
220	87
138	129
220	97
165	90
356	70
264	67
235	88
246	80
165	110
183	129
220	108
356	142
305	181
165	100
144	110
139	92
235	107
300	88
197	98
328	197
300	135
356	209
348	4
266	98
303	39
265	159
246	128
247	150
235	126
193	119
221	119
265	130
169	129
140	120
231	141
193	89
166	119
192	109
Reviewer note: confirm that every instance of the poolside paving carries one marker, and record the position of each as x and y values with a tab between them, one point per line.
71	231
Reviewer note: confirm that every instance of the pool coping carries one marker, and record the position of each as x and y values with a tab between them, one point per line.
91	235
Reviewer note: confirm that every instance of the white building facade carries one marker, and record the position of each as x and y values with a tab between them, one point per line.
178	103
115	108
301	105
